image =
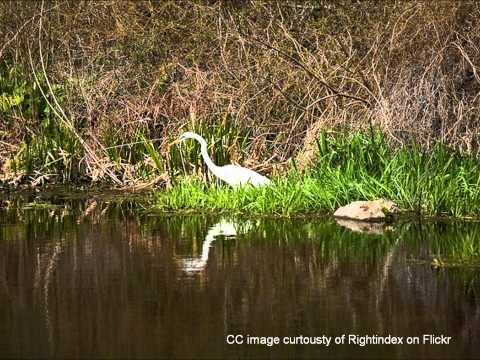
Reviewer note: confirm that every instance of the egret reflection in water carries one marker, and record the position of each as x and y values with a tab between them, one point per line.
225	228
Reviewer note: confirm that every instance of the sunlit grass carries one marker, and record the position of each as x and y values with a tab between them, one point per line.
349	168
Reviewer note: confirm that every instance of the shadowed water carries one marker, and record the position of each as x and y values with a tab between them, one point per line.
97	279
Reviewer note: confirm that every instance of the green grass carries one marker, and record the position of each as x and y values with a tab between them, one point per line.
348	168
54	150
49	148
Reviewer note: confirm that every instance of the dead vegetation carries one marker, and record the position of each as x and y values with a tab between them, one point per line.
277	72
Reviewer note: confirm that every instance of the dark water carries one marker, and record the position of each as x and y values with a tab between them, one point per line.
105	281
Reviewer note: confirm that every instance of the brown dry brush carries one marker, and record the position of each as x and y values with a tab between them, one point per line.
277	71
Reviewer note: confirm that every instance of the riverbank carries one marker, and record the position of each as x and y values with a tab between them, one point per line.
348	168
343	167
454	242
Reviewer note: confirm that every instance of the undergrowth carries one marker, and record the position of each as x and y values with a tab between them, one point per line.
277	71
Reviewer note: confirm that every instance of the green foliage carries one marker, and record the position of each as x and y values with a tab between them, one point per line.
134	152
437	182
152	152
20	94
349	168
225	144
51	148
14	90
141	150
54	150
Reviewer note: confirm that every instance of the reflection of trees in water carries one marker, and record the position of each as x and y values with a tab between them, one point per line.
115	286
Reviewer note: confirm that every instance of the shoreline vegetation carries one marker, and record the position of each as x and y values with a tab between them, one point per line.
344	167
348	167
332	111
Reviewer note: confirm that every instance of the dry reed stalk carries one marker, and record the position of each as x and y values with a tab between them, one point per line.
277	70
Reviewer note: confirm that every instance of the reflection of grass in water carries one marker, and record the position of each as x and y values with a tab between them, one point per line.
465	248
39	205
332	245
454	243
321	243
448	243
451	243
50	215
451	247
327	237
329	240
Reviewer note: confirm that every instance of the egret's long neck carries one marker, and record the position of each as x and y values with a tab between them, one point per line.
206	157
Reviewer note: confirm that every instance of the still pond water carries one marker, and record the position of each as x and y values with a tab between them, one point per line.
99	278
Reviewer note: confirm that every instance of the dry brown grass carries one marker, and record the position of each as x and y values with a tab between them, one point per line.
279	70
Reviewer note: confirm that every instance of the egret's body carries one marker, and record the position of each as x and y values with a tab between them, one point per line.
232	174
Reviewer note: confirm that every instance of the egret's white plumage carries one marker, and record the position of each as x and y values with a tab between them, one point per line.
232	174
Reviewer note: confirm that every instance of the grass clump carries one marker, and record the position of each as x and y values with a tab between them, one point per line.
53	151
285	196
348	168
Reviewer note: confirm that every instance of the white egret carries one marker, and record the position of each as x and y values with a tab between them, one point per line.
233	175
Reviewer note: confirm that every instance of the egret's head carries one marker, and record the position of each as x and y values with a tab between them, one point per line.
185	135
191	135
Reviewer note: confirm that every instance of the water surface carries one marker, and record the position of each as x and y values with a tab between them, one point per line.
100	279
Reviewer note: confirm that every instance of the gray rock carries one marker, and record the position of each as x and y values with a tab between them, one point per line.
377	210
